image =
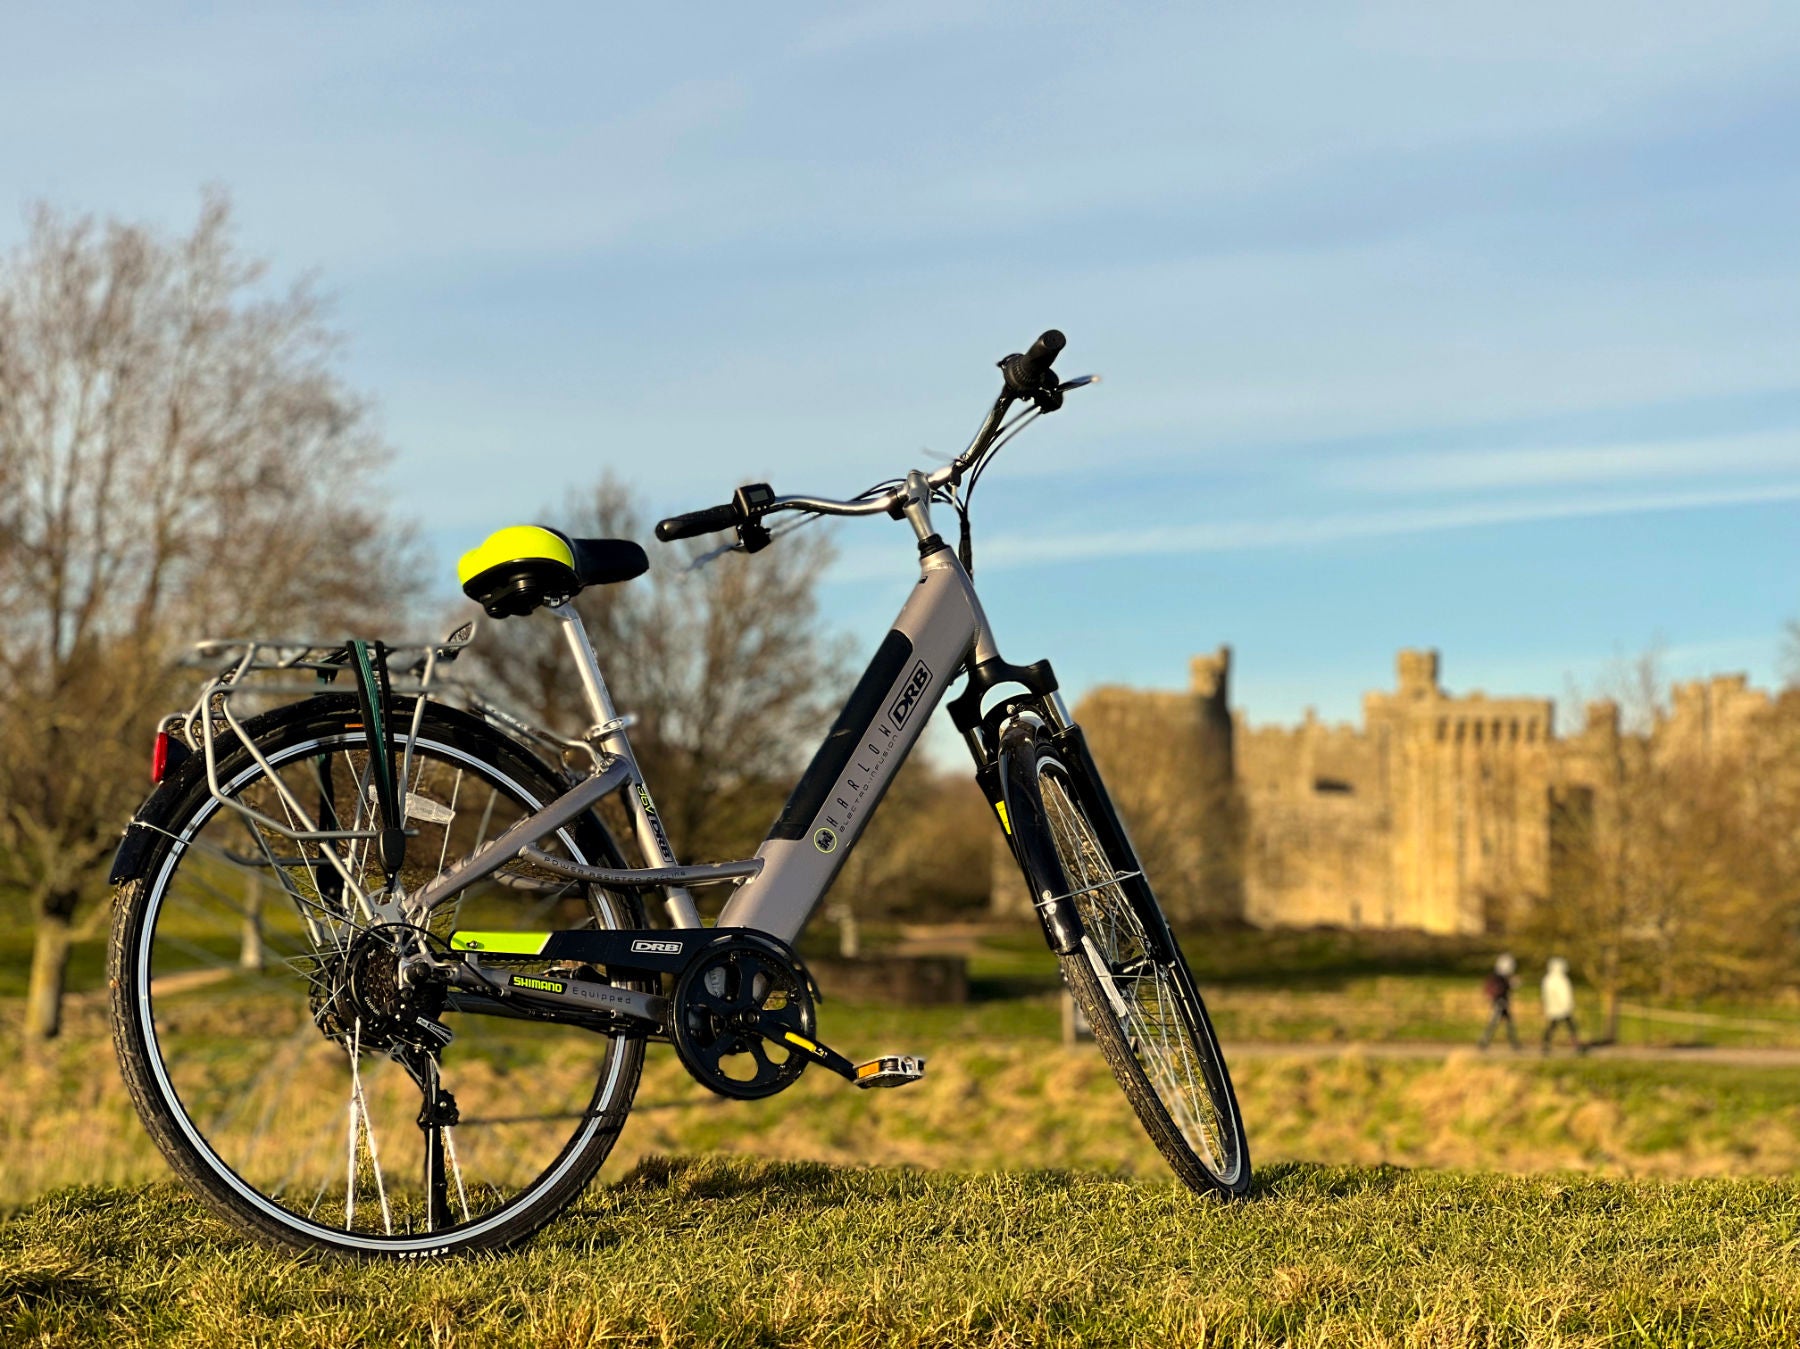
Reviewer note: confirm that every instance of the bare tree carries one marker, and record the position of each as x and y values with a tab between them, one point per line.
724	668
176	456
1674	870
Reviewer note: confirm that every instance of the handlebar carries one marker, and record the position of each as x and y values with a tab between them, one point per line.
1026	375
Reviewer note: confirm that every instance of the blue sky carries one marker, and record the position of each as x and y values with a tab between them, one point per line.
1471	326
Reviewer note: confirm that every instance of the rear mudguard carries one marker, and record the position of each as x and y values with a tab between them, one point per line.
155	816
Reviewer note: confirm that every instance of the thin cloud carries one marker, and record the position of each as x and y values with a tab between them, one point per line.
876	25
1490	470
1316	531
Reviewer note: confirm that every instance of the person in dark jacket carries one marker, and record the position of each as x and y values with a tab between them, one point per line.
1498	987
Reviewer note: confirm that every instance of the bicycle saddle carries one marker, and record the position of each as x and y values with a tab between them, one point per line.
523	566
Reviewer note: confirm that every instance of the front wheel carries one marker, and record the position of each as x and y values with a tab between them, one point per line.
1128	975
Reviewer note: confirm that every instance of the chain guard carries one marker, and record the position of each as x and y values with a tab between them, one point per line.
732	1006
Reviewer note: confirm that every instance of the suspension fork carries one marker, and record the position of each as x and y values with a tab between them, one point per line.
1002	742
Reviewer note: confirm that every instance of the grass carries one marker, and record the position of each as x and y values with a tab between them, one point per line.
1010	1199
730	1252
1002	1093
1325	984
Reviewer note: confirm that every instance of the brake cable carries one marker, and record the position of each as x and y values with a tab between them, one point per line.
965	548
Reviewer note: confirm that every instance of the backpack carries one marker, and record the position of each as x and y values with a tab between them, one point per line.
1494	987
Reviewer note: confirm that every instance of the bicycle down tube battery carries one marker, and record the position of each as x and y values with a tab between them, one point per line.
836	796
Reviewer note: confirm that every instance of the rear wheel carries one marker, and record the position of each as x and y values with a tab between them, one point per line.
1130	979
262	1031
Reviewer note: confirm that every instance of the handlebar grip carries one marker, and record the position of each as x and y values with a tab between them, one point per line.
695	523
1037	362
1025	374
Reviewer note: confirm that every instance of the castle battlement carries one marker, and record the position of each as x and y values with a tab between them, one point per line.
1434	813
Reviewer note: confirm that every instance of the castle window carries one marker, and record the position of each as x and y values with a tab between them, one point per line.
1332	787
1443	729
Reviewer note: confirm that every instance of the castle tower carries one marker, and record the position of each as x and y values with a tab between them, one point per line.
1219	817
1417	672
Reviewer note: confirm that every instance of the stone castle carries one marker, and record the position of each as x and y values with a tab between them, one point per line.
1436	813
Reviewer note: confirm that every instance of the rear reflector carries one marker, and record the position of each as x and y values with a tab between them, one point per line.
159	757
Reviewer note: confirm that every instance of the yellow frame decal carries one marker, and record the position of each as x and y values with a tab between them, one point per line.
501	943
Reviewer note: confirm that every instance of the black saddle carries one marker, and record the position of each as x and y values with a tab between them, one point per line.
517	569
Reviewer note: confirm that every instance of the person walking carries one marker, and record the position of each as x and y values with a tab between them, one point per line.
1498	987
1559	1003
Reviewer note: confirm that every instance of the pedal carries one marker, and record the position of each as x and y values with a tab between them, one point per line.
890	1070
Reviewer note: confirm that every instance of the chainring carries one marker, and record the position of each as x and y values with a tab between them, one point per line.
732	1007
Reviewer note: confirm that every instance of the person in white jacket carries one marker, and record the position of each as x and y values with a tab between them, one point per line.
1559	1003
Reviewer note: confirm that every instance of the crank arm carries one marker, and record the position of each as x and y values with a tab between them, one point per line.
890	1070
772	1030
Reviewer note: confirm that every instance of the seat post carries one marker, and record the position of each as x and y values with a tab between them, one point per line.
608	734
593	683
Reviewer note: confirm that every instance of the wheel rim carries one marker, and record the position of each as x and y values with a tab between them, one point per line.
319	1139
1145	996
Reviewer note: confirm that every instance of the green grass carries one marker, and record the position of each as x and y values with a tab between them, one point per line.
733	1253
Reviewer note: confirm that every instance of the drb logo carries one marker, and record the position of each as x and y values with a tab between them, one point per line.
910	692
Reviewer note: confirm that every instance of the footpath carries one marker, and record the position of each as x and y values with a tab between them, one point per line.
1735	1056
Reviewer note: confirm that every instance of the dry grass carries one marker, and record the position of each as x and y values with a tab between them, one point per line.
1004	1103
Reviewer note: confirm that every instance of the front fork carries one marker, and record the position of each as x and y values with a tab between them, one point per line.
1004	765
1001	742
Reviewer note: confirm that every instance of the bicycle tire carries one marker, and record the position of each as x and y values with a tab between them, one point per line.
186	1018
1128	976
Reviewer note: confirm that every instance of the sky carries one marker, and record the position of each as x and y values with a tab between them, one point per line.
1474	326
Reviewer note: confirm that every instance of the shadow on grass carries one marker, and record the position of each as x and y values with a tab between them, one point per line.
36	1278
816	1184
731	1177
1314	1180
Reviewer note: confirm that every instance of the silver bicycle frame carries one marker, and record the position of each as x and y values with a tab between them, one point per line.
939	629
